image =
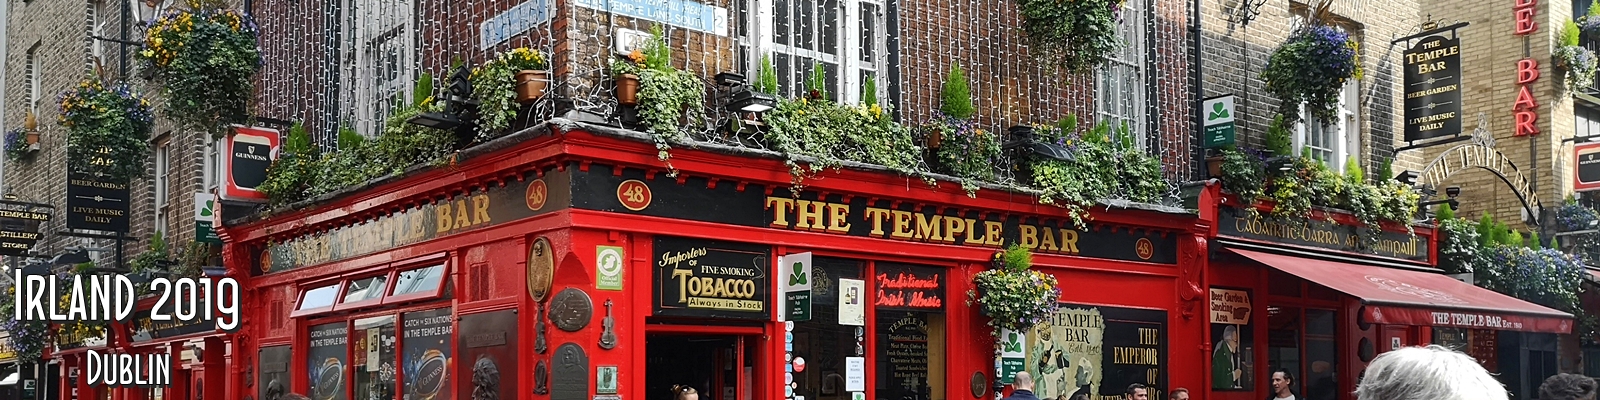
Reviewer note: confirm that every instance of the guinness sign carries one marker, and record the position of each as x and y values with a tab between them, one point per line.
250	150
1587	177
711	279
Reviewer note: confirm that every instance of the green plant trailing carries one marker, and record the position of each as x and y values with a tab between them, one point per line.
1576	61
1014	296
1107	165
816	134
108	129
494	86
1076	36
16	144
289	178
666	94
1311	68
965	150
205	59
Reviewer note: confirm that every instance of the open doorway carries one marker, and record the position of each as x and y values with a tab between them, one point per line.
719	367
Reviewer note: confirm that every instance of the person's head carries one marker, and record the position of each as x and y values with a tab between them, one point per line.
1282	381
1023	381
1138	392
684	392
1180	394
1567	387
1230	335
1427	373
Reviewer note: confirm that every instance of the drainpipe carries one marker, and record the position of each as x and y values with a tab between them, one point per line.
1197	154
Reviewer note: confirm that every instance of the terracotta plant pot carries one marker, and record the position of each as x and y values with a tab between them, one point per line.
32	137
531	85
627	89
934	137
1214	166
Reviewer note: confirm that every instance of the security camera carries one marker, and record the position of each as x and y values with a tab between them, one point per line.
1452	191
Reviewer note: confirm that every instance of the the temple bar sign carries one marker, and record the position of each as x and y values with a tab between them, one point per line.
250	150
1433	88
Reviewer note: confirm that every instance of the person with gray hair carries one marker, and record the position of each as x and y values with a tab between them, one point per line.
1428	373
1567	387
1023	384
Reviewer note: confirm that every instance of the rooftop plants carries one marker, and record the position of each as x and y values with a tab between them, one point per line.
494	86
816	133
964	150
1106	164
1310	69
204	58
667	96
1076	36
108	129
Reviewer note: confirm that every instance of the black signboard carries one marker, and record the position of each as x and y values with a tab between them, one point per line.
1433	88
248	168
1322	234
903	352
1588	165
1098	351
98	203
143	328
426	339
709	278
702	199
907	287
325	360
273	379
20	225
487	367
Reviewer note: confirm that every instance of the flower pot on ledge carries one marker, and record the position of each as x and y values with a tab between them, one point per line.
32	138
531	85
1214	166
627	89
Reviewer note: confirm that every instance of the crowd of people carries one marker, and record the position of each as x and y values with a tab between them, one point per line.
1411	373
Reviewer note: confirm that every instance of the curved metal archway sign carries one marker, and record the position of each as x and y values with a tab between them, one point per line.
1481	154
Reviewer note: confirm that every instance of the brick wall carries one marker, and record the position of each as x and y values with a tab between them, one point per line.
1236	52
61	30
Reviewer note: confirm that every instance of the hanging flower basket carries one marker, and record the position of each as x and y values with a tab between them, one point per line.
108	129
1578	65
27	338
1076	36
16	145
204	60
1311	68
1013	296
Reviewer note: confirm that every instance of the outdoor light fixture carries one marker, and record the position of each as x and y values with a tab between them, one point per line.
457	93
1450	193
1280	163
729	79
740	98
1408	178
1023	136
72	257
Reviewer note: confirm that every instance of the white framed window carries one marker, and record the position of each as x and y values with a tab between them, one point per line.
847	37
162	184
211	168
379	61
97	28
1120	87
1334	142
32	72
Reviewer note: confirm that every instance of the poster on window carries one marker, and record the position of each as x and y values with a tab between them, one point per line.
1231	359
1097	351
426	339
326	360
487	367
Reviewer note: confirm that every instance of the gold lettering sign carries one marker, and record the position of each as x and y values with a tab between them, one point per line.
827	217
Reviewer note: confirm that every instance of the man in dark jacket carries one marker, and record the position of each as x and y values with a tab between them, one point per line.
1024	387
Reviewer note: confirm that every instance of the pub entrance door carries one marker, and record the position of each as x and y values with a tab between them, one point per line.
718	367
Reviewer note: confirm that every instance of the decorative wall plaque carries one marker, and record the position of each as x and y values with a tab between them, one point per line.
980	384
571	310
541	378
608	338
541	266
570	380
539	343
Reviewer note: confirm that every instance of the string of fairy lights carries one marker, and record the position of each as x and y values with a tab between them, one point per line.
336	64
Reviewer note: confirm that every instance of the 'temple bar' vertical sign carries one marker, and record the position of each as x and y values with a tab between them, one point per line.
1527	71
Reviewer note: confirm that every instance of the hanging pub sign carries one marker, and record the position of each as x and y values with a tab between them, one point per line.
706	278
20	225
97	203
1321	234
1433	88
250	151
1587	176
908	287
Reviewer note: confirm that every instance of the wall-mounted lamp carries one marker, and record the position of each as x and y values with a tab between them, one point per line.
1409	178
458	95
1450	193
741	99
1023	138
1246	11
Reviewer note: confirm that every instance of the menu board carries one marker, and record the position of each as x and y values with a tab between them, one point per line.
906	354
325	359
1484	346
426	337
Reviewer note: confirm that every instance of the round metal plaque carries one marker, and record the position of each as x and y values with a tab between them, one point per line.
980	384
541	266
571	310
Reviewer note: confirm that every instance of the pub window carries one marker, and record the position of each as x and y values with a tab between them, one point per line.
363	290
418	283
911	332
1302	342
325	360
317	300
374	358
1525	359
823	345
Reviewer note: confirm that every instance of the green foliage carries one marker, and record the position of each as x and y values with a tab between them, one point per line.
823	134
818	84
657	55
1243	173
1385	171
1016	258
1460	246
956	97
768	82
1076	36
494	86
1485	230
108	130
205	60
290	176
1310	69
1013	295
1279	140
1515	239
1102	169
965	151
1445	212
667	95
869	92
1533	241
1570	34
1353	173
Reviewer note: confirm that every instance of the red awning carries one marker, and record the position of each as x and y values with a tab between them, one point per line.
1402	297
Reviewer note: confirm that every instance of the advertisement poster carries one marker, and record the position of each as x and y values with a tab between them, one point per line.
708	278
487	367
326	361
852	302
1231	355
1098	351
426	339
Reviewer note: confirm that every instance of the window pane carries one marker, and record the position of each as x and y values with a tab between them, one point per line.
831	71
805	24
781	33
830	26
374	359
418	280
364	289
785	67
319	297
325	360
911	356
1283	339
822	341
869	32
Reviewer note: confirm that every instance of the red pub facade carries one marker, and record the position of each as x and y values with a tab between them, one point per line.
569	263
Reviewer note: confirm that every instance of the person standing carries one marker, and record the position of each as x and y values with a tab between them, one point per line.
1282	386
1225	371
1428	373
1138	391
1567	387
1180	394
1024	387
